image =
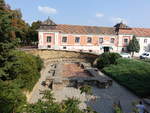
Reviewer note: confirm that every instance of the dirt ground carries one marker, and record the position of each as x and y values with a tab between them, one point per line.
73	70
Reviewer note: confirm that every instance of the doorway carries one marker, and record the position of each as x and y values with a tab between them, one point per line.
106	49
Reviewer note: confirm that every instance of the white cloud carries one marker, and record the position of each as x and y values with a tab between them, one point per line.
47	10
99	15
118	19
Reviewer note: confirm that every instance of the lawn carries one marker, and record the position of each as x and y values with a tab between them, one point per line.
133	74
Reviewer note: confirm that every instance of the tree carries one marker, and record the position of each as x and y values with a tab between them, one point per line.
133	46
11	98
32	33
2	4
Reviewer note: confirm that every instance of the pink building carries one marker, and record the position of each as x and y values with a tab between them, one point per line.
89	38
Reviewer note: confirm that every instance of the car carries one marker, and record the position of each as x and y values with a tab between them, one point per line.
145	55
125	55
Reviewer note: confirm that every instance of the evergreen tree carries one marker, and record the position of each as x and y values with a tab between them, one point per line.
33	34
133	46
2	5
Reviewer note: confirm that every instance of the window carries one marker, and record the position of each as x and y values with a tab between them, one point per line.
64	39
112	40
100	40
77	40
49	39
145	40
124	49
89	40
126	41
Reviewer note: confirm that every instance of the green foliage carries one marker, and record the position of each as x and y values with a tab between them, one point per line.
18	71
107	59
71	105
133	46
2	5
6	30
11	97
134	74
86	89
48	96
117	109
49	106
25	69
32	33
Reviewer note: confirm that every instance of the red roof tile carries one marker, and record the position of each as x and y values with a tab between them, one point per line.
140	32
77	29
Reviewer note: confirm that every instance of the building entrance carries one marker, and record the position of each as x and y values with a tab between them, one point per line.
106	49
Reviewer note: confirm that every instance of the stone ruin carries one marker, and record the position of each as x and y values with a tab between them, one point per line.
56	78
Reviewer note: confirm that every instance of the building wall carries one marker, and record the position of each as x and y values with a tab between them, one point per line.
95	47
144	44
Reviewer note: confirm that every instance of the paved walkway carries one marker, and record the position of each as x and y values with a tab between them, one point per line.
103	103
104	98
35	94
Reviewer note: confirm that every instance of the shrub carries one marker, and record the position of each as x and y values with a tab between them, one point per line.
134	74
86	89
19	72
11	98
107	59
25	70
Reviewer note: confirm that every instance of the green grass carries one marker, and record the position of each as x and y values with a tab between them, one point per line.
133	74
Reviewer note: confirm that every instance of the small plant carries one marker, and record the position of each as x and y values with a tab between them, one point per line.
48	96
117	108
86	89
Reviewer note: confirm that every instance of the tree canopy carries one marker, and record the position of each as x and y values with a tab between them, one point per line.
19	71
133	45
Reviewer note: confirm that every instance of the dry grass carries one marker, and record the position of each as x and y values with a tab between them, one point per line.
52	54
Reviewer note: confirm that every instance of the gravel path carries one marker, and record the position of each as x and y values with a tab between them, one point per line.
103	103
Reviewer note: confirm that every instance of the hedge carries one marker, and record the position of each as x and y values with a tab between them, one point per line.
133	74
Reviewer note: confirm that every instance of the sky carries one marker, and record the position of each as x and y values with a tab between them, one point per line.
135	13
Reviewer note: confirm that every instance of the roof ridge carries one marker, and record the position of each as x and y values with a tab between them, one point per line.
139	28
85	26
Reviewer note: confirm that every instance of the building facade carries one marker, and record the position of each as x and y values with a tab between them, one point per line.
91	39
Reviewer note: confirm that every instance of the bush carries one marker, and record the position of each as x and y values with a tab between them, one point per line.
20	71
11	98
107	59
25	70
134	74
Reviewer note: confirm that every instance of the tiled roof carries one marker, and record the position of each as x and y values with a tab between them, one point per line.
77	29
140	32
119	28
